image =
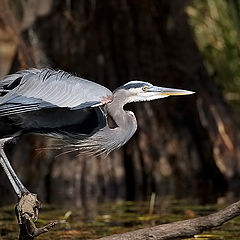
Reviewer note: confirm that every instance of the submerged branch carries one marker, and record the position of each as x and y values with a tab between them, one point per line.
181	229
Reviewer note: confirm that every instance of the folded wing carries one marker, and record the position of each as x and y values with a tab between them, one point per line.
35	89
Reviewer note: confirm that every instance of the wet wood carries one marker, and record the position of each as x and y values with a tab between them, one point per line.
181	229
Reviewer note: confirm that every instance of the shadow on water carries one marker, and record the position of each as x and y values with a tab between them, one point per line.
118	217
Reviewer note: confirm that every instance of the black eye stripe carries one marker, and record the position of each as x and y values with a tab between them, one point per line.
134	85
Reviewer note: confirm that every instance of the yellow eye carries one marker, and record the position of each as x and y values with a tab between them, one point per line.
144	88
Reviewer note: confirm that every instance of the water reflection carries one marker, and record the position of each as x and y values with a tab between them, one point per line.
94	221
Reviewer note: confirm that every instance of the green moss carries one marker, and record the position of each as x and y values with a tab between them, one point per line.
216	27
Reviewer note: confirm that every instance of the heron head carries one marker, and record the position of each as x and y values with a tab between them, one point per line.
138	91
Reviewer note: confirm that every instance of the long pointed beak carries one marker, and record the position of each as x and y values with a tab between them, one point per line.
170	91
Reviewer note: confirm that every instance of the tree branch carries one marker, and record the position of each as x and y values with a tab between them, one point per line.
186	228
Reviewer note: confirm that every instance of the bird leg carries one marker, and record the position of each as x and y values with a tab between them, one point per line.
13	178
28	204
18	187
25	211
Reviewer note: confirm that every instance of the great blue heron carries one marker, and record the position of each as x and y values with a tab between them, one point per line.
59	104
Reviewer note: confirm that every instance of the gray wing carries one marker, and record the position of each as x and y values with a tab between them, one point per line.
35	89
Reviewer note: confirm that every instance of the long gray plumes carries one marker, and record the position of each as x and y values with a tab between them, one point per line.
103	141
99	143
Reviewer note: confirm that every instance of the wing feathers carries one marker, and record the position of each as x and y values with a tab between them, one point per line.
48	88
10	109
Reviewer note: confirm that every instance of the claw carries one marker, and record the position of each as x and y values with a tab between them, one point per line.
36	212
36	209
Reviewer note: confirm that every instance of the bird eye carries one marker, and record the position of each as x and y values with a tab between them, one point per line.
144	88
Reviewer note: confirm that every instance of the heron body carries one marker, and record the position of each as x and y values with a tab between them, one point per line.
67	107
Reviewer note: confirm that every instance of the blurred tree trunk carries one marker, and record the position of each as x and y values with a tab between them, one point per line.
184	145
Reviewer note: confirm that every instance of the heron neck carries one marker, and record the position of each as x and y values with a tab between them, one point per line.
125	120
115	109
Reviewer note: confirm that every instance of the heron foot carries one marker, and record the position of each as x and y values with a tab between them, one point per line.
27	210
29	205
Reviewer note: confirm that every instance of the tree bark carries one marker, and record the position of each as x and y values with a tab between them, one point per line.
183	146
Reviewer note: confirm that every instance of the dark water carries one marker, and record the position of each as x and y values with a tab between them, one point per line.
110	218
